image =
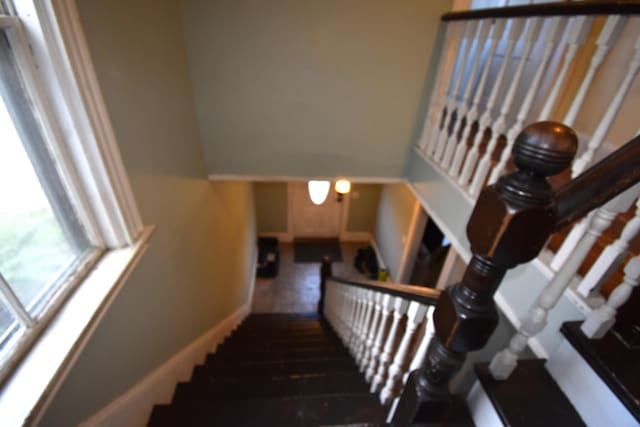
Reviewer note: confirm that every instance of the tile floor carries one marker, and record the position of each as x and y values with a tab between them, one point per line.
296	289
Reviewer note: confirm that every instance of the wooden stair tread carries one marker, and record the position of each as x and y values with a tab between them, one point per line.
291	411
529	397
612	361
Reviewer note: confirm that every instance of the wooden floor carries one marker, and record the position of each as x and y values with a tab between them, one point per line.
296	288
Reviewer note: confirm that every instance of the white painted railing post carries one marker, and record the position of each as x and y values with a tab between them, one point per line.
612	256
577	35
461	150
552	35
498	127
601	320
400	306
505	361
515	32
362	339
469	32
439	105
373	330
415	316
385	310
461	109
360	309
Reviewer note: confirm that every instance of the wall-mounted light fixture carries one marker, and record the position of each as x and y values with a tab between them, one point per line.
342	187
318	191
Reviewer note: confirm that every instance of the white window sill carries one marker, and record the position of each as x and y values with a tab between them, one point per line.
29	390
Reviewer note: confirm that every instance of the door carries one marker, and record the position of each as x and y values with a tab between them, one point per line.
311	220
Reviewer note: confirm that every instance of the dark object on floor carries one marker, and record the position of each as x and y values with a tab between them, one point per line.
268	257
275	370
366	262
313	250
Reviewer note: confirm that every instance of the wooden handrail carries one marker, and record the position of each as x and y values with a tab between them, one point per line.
421	294
549	9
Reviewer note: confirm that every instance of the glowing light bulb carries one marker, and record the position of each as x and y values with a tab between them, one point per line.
318	191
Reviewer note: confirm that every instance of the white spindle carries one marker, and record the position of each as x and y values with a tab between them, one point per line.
605	123
514	34
552	35
577	35
461	150
431	119
415	315
361	308
601	320
400	306
438	110
453	95
366	324
613	255
607	36
385	310
461	108
505	361
373	330
531	35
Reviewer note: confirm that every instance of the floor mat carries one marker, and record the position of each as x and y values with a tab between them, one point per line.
313	250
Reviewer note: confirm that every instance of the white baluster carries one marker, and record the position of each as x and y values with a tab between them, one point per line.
605	123
438	110
453	95
437	101
461	150
505	361
400	306
552	36
606	38
461	108
613	255
351	317
362	340
514	34
600	321
415	316
385	310
580	26
373	330
531	35
361	305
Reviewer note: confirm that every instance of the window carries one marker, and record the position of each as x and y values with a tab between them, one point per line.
65	202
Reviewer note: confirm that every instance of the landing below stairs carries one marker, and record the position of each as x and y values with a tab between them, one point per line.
275	370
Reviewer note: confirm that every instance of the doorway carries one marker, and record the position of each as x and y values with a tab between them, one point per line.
314	221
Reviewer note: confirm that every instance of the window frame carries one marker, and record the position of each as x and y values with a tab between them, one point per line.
51	53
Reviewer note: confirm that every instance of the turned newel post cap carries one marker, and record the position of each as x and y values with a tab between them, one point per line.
545	148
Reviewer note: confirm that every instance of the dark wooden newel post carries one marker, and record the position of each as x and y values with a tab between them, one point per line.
509	225
326	271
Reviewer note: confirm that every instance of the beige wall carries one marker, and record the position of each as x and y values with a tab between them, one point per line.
392	225
307	87
199	262
271	206
363	207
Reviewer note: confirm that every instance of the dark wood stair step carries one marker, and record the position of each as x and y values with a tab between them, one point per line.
277	354
276	368
342	409
205	389
615	364
529	397
266	347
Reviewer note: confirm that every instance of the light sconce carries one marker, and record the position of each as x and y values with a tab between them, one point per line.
318	191
342	187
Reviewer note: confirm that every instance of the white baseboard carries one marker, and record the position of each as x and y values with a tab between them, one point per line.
355	236
481	408
283	237
133	408
381	262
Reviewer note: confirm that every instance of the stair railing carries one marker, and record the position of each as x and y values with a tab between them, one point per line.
510	224
386	326
500	68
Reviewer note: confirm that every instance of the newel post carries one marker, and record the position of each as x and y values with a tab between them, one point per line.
509	225
325	273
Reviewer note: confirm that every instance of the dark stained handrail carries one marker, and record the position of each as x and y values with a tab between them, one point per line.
549	9
428	296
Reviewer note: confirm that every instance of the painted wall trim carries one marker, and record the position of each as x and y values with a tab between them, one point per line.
134	407
285	178
381	262
282	237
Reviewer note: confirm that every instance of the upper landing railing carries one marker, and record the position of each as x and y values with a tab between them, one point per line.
574	63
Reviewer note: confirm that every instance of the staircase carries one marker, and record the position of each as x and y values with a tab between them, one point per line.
277	370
